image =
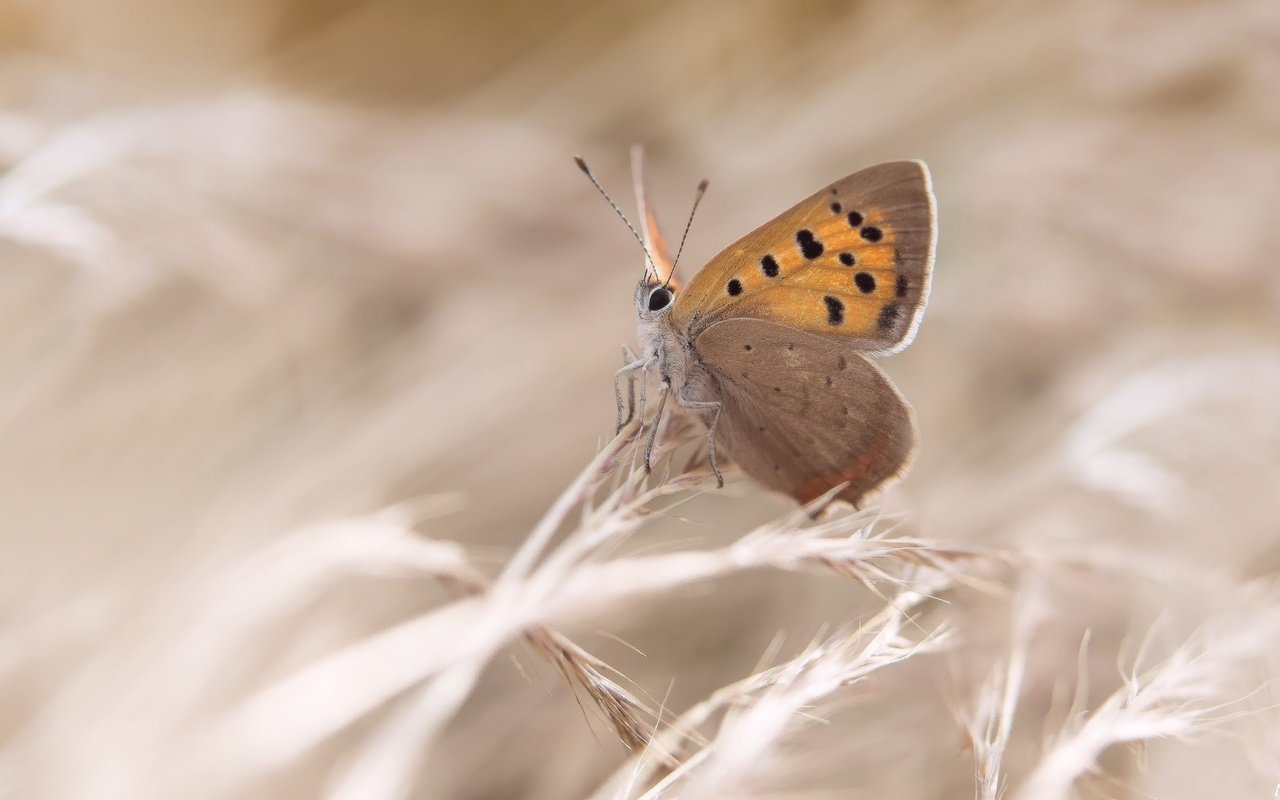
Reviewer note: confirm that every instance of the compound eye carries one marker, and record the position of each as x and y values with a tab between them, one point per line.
659	299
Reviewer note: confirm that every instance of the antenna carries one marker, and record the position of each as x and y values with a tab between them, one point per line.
697	198
582	165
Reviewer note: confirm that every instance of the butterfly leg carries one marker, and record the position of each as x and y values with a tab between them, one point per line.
708	405
628	372
663	391
629	357
642	404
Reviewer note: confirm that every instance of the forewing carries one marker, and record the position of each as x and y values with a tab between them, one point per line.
852	261
803	413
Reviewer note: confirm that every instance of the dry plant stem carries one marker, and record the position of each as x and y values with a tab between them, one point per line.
601	466
386	765
580	669
756	724
677	738
991	723
1179	697
283	720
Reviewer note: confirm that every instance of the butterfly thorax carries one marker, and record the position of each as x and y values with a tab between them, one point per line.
676	361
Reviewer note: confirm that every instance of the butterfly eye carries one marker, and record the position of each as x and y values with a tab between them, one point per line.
659	299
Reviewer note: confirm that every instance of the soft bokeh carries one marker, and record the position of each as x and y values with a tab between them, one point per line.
277	273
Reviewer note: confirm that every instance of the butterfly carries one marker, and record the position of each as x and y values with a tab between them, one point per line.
769	341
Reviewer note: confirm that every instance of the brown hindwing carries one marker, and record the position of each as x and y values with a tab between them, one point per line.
803	412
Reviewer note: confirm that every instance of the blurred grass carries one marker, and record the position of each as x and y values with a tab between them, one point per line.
264	264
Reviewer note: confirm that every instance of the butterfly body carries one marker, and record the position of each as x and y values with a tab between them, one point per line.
675	360
768	341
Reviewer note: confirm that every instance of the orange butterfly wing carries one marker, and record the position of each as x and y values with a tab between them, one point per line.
853	260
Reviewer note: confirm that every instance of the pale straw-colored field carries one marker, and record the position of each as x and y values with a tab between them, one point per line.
307	333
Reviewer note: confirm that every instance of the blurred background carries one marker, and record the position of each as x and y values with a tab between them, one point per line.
265	264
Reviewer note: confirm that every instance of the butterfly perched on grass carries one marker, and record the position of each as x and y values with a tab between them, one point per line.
769	341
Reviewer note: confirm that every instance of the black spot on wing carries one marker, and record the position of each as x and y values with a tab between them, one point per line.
888	317
809	246
903	285
855	219
847	259
734	287
871	233
836	208
835	309
865	282
769	266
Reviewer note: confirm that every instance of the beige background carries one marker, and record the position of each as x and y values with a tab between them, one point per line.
268	264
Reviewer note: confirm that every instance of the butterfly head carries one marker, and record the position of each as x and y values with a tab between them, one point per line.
654	324
653	299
